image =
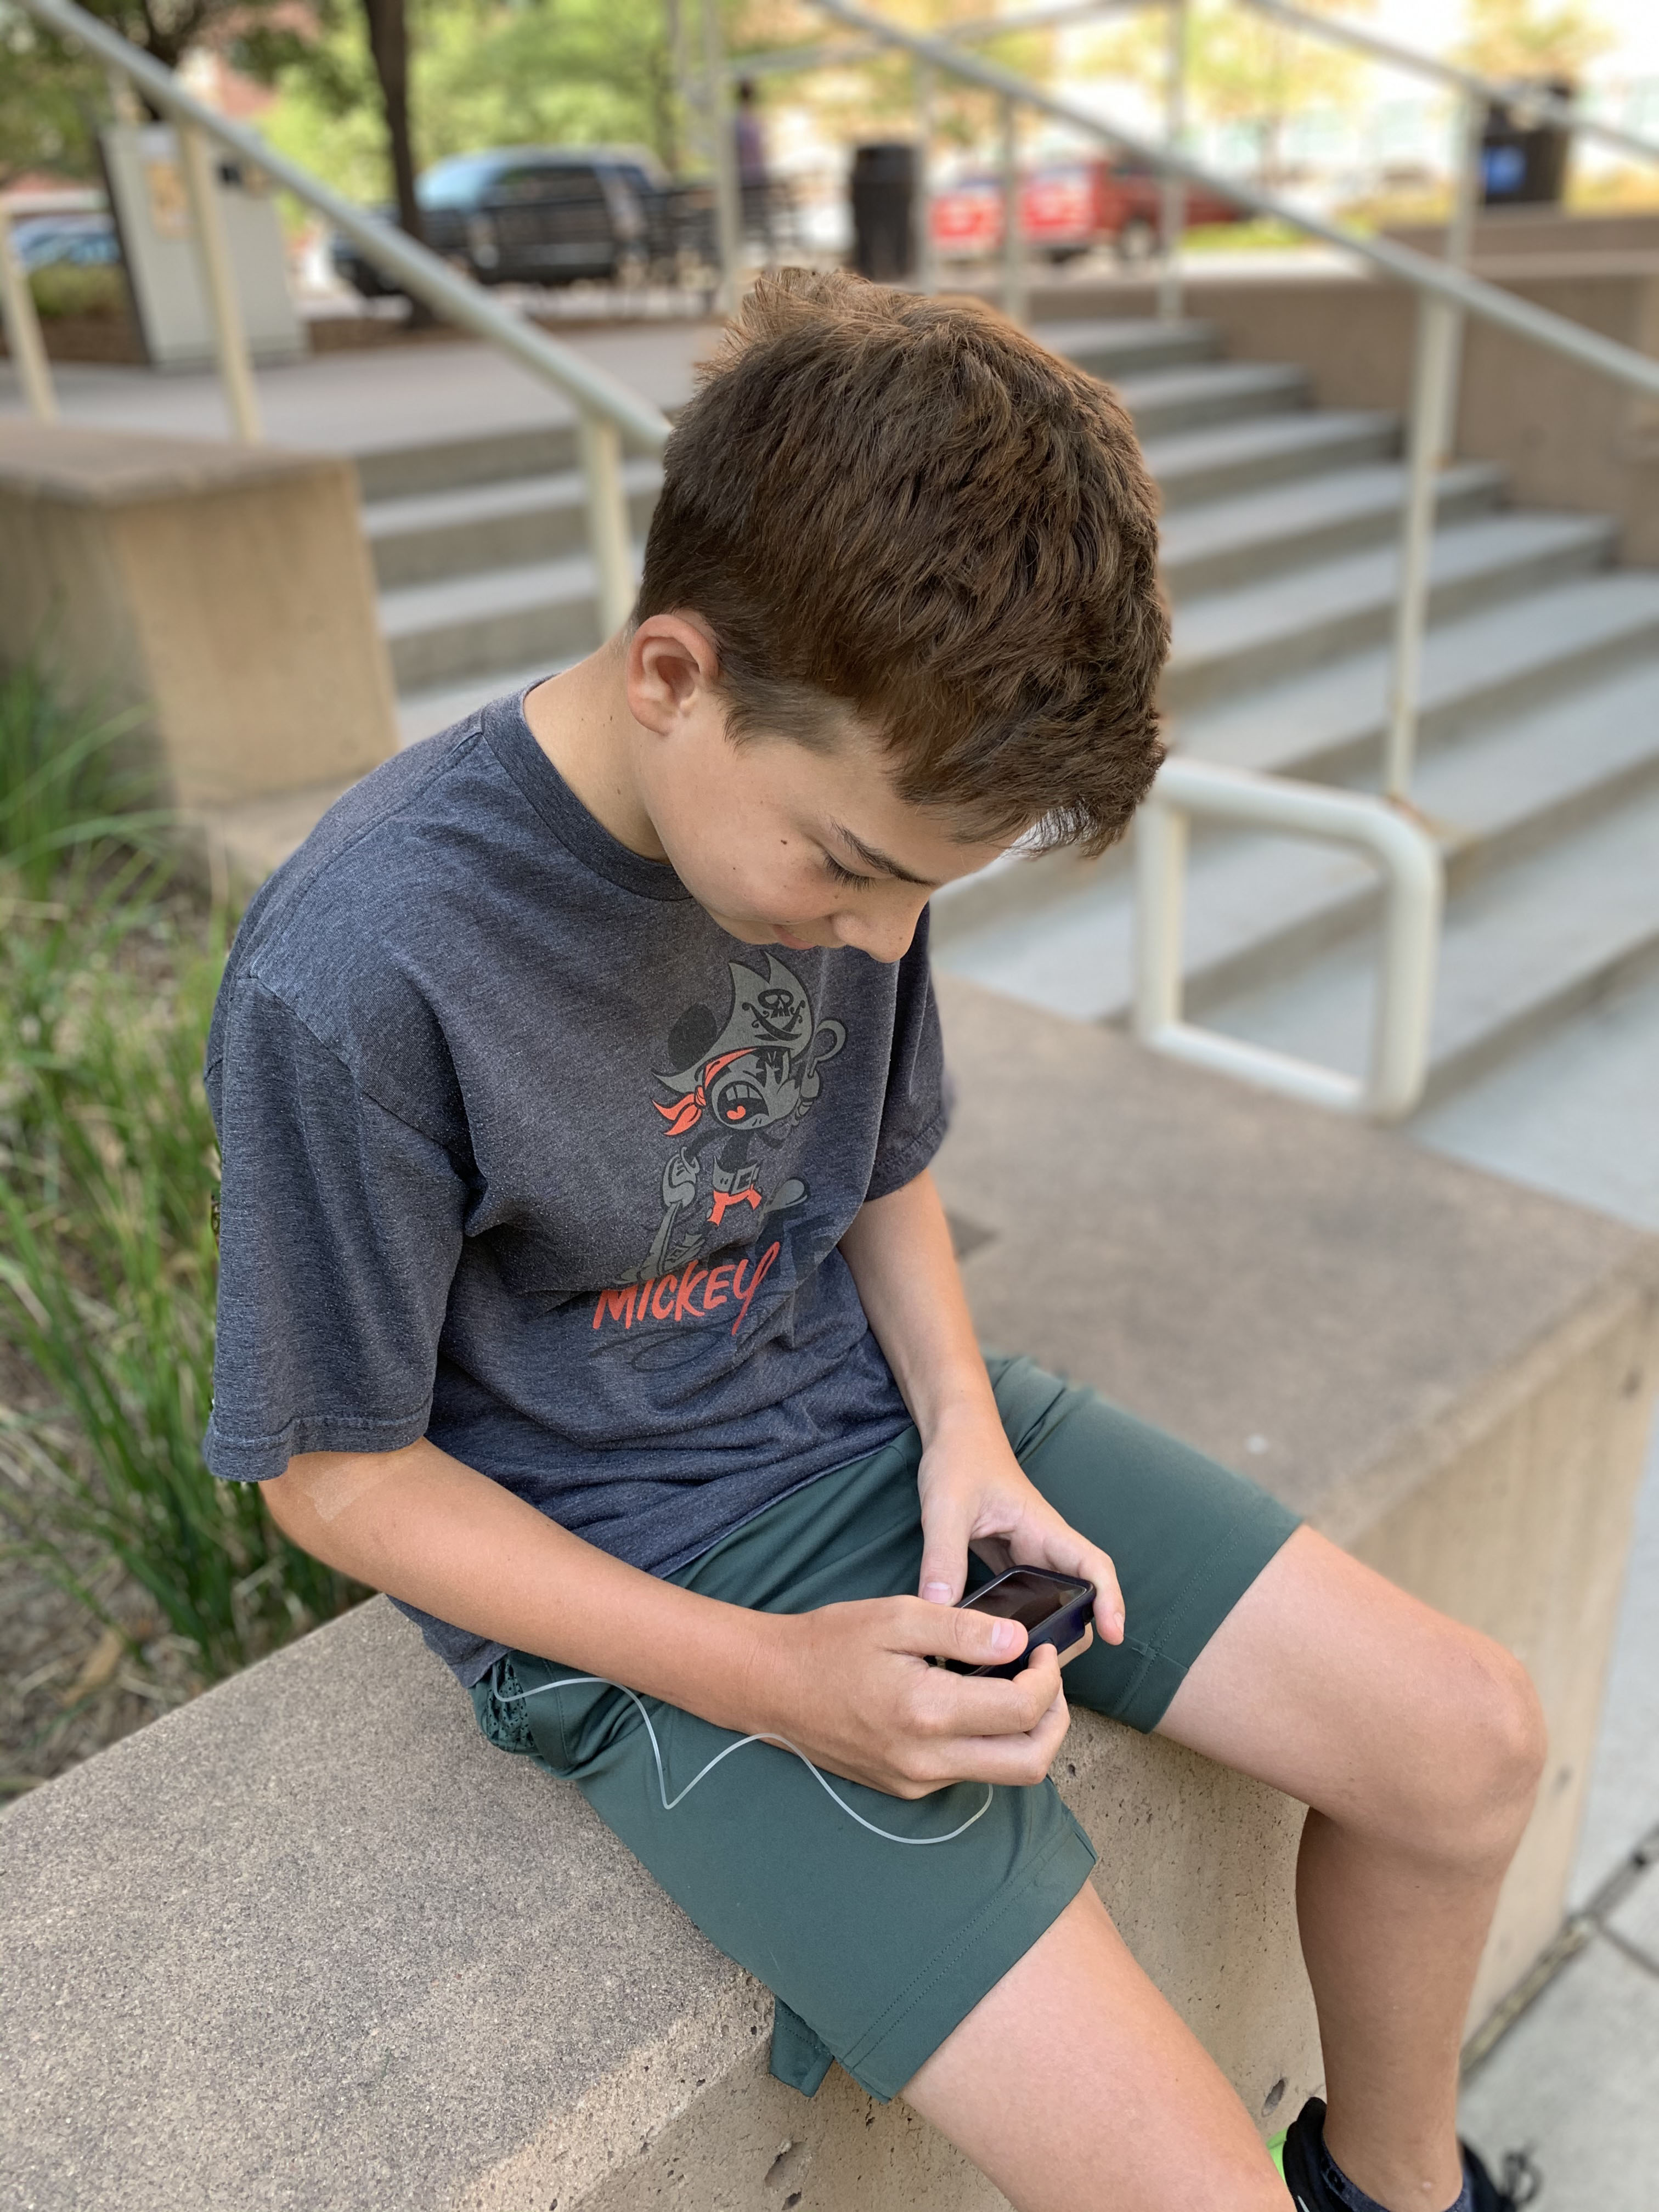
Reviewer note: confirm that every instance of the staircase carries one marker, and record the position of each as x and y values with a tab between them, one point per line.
1540	746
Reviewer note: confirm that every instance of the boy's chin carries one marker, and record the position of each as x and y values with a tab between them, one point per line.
751	929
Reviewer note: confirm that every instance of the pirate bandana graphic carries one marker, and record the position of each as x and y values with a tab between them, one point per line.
734	1092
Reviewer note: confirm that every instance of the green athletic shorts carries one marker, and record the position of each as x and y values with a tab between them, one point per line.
875	1951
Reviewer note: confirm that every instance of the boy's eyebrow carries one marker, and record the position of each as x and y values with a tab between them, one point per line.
879	860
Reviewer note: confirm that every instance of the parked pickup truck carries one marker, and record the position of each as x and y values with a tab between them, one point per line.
552	215
1064	208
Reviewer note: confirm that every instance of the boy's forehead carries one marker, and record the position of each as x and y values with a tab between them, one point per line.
847	792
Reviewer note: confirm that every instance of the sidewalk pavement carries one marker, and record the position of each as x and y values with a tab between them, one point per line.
384	396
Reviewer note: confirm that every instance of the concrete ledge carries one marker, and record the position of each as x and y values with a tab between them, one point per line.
311	1942
222	590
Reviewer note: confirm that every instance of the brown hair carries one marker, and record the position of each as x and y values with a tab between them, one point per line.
906	508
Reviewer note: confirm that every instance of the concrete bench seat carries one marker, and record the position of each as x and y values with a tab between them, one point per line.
310	1942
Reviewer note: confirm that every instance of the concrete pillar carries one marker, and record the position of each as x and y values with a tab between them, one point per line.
223	590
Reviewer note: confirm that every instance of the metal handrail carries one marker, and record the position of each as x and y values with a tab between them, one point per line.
1445	290
1414	879
1420	271
607	410
1523	100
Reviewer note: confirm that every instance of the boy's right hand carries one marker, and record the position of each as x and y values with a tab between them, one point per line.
852	1686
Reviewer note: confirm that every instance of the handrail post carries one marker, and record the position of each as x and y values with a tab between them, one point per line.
24	343
607	527
1013	264
219	282
728	198
1433	356
1160	858
1414	882
927	269
1468	147
1172	198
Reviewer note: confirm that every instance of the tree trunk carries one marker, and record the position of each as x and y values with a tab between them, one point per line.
388	40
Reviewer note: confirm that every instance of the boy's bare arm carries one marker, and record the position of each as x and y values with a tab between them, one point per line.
973	1490
848	1684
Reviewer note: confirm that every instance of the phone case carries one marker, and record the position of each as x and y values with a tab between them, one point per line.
1062	1627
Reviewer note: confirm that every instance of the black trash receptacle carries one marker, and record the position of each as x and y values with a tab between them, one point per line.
883	191
1524	164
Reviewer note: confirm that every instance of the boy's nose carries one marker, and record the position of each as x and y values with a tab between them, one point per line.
885	937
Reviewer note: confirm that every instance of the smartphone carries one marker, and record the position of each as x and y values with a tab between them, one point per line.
1052	1608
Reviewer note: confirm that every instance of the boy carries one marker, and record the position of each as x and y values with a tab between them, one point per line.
584	1287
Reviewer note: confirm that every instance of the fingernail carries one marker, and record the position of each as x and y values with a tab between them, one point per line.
937	1593
1005	1635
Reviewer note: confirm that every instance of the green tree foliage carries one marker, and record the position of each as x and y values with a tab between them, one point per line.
483	73
1533	38
1241	68
48	101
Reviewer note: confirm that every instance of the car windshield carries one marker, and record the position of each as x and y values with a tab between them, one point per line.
455	183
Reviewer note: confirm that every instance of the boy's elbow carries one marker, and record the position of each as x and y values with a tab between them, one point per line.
315	1488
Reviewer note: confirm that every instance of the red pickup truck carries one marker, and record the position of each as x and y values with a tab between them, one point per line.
1066	208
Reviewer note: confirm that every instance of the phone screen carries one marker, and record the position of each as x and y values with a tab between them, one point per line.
1028	1599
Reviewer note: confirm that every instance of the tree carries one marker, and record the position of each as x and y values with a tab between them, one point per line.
1533	39
388	42
49	101
1242	68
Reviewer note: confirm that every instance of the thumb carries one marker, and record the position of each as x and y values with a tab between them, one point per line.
945	1522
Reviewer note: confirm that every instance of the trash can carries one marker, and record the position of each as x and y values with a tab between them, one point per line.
1523	164
883	191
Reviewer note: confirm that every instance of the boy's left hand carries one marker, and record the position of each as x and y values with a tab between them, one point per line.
973	1491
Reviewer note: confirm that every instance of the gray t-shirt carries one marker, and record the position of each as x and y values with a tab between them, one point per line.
524	1153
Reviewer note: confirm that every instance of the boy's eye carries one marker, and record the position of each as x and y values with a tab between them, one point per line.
837	874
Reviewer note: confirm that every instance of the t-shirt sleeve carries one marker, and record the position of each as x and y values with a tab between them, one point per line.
340	1226
915	1111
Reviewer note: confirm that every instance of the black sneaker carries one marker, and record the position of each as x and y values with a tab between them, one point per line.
1297	2154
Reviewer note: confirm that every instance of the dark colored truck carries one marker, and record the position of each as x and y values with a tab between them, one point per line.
554	214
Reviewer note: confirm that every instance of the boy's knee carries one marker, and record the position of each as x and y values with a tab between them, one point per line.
1484	1747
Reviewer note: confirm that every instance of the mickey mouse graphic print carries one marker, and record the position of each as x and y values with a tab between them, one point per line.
742	1086
523	1153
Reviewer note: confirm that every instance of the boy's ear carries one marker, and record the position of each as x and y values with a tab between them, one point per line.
672	660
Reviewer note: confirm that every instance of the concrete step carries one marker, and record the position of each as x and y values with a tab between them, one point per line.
494	619
1258	907
1227	640
507	616
1234	542
1112	350
498	525
405	472
1171	401
1221	462
1502	660
1524	950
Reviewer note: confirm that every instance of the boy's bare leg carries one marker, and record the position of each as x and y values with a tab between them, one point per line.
1077	2088
1418	1744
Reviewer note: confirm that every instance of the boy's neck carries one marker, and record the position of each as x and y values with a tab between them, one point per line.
580	718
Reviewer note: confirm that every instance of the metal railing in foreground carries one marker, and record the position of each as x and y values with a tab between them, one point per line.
607	411
1414	879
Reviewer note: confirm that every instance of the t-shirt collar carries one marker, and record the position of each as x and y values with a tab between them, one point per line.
508	736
